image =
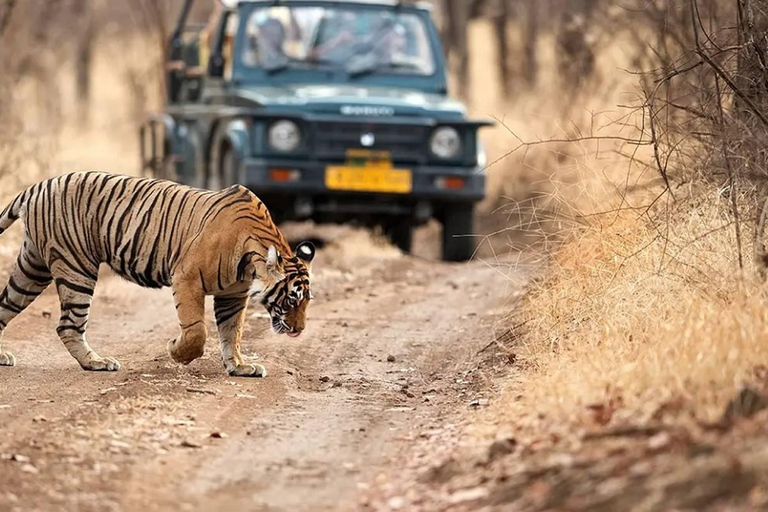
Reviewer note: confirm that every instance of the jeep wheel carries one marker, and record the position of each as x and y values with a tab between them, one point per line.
228	167
400	233
226	175
458	242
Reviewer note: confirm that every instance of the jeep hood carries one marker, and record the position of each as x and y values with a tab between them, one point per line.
351	100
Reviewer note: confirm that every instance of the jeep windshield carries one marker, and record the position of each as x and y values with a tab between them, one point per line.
356	41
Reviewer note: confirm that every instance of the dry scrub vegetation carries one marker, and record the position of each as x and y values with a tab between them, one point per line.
72	100
654	299
629	318
639	353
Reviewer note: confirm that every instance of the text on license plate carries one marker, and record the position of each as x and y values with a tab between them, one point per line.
369	179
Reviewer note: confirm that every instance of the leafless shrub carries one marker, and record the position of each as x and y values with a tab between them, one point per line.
21	65
707	109
654	298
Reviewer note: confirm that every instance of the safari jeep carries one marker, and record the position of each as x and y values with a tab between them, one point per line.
331	111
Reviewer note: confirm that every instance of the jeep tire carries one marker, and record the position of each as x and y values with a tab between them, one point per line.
225	174
458	242
400	233
228	169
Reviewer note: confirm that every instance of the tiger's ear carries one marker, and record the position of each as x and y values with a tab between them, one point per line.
274	264
306	252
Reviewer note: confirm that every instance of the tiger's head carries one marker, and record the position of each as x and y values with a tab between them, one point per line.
286	295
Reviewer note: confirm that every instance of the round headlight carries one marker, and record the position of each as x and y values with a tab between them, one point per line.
482	156
445	143
284	136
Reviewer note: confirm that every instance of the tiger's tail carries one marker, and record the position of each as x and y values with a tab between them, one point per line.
12	212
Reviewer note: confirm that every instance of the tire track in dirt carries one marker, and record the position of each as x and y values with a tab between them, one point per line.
334	415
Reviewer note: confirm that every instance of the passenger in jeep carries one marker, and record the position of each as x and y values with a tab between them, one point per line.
336	38
390	49
271	38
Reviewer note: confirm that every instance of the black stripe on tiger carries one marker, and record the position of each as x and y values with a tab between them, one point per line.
225	308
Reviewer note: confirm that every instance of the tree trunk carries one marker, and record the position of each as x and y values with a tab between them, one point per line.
502	43
530	62
5	15
84	59
457	14
576	58
753	60
752	80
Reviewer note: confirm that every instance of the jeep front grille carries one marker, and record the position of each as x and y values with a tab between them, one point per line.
406	143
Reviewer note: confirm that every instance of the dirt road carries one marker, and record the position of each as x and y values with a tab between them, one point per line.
387	355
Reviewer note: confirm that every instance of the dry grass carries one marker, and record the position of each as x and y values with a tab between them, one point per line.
639	309
523	208
37	143
625	316
40	143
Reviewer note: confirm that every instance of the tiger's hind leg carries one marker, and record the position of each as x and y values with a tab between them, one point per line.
29	277
76	294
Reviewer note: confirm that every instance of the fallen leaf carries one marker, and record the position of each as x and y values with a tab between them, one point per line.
601	413
669	407
501	447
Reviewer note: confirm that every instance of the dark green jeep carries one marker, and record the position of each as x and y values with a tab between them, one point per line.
333	111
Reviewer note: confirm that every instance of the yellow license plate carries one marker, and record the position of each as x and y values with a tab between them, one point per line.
369	178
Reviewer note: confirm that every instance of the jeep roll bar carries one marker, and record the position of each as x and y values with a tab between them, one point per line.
175	51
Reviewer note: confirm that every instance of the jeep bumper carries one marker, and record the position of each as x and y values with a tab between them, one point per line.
430	183
305	194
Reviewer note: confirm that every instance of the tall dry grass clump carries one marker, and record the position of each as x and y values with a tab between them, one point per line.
657	297
628	316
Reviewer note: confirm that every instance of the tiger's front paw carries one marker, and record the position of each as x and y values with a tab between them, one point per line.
7	359
102	364
248	370
185	353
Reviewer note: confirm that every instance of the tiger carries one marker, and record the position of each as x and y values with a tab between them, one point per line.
155	233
